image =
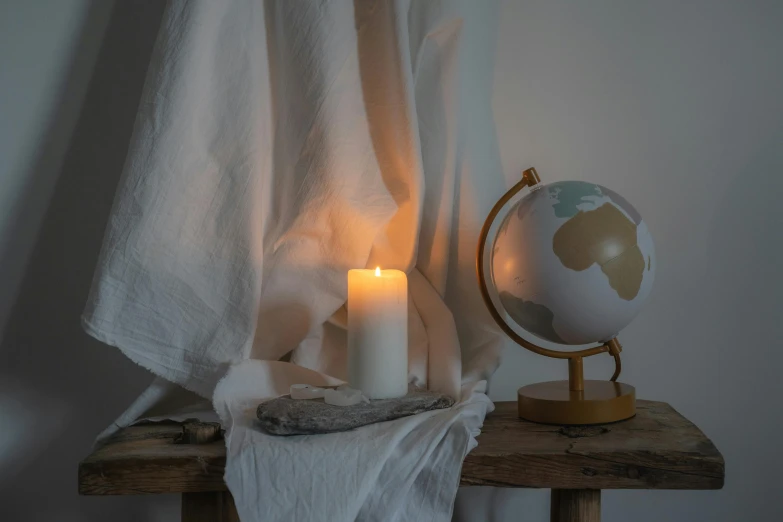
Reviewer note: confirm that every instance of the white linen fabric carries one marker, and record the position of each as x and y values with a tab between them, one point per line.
406	469
279	144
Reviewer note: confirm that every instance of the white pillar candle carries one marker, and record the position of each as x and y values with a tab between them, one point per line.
378	332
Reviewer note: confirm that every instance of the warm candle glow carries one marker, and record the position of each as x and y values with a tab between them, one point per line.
377	359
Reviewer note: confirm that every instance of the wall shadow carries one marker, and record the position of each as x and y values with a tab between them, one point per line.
60	387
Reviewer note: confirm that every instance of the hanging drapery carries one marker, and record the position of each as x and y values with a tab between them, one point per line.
277	146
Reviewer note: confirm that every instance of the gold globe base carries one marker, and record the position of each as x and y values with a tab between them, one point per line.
600	402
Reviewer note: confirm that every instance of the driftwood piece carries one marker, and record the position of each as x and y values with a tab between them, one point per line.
657	449
286	416
197	432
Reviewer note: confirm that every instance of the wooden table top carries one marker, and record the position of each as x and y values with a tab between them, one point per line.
657	449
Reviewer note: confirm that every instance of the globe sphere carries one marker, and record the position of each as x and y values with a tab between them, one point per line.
573	262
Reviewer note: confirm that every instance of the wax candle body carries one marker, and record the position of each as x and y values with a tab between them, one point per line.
378	332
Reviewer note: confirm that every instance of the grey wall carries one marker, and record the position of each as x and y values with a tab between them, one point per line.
675	105
679	107
47	52
71	73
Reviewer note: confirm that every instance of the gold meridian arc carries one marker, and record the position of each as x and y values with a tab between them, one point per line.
613	347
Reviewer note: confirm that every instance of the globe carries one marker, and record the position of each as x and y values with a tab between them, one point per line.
573	262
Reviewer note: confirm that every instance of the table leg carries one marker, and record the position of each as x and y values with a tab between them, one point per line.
575	505
212	506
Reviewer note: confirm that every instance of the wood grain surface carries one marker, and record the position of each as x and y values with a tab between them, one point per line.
575	505
211	506
149	459
657	449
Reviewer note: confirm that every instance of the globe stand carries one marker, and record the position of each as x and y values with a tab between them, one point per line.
578	401
573	402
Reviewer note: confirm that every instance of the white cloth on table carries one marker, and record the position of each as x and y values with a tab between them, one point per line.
277	145
406	469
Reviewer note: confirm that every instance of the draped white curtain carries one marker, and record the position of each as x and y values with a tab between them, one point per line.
281	143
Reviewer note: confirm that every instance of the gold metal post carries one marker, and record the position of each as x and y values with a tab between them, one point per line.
614	350
576	380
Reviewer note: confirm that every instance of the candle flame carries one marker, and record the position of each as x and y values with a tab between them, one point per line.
378	272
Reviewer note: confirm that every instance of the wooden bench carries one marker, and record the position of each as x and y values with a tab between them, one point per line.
657	449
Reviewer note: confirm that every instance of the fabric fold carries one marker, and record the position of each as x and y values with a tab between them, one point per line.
406	469
279	144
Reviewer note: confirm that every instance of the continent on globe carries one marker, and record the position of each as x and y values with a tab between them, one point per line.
606	237
535	318
568	195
